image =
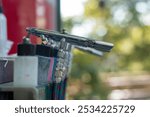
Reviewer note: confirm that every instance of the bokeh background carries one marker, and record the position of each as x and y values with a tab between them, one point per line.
124	72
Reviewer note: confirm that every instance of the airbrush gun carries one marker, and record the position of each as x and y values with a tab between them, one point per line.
72	39
59	40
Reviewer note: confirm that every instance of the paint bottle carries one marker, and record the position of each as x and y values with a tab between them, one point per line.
3	25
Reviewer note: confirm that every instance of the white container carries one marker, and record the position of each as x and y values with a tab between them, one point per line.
3	26
5	45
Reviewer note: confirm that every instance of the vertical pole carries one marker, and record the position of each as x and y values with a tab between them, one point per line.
58	15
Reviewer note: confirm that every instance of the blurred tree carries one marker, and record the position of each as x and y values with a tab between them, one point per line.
126	23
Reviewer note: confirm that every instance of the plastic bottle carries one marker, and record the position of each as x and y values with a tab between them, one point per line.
5	44
3	25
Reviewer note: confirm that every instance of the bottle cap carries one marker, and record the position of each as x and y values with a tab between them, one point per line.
1	10
1	7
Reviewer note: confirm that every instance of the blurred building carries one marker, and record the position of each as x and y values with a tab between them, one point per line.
26	13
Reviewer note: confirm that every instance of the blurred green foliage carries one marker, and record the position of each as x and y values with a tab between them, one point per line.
126	24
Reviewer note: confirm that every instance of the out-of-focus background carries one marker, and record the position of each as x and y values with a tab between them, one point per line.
122	73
